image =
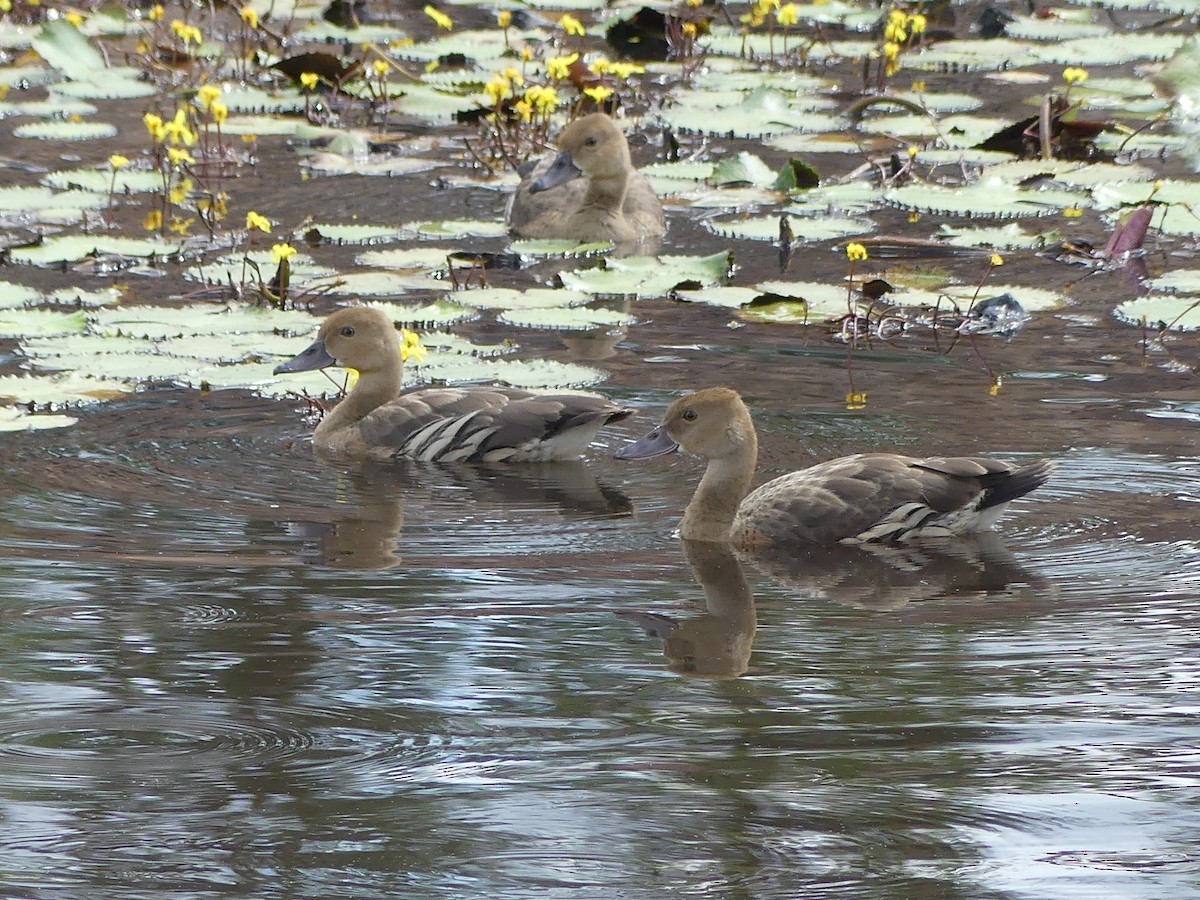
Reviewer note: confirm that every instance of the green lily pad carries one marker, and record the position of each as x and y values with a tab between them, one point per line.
578	318
103	86
28	199
972	56
65	131
426	258
1181	281
851	197
438	314
14	296
377	283
1055	28
354	234
457	229
1033	299
1000	237
552	247
742	168
509	299
648	276
74	247
1105	51
158	322
15	323
100	181
62	46
18	420
1176	312
255	100
238	269
373	164
766	228
807	301
986	198
60	389
531	374
955	131
55	107
731	297
760	113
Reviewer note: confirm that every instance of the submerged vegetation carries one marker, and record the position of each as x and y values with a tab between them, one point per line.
837	125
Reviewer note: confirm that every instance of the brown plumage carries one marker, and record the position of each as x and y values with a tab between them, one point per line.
477	424
589	191
867	497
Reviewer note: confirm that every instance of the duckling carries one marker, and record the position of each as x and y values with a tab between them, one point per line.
476	424
865	498
589	191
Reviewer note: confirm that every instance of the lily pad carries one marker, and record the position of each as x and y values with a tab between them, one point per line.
578	318
23	322
731	297
509	299
70	388
1176	312
439	314
648	276
100	181
766	228
551	247
1181	281
14	296
986	198
1000	237
18	420
74	247
157	322
354	234
457	229
66	131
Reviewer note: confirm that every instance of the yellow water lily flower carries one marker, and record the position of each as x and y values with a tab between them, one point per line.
440	19
559	67
504	18
249	16
156	13
207	94
571	25
309	80
280	252
599	93
1074	75
254	220
154	220
155	126
856	252
219	112
381	67
179	155
788	14
117	161
996	260
411	346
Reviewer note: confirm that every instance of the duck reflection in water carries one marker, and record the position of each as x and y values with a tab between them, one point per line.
365	529
718	643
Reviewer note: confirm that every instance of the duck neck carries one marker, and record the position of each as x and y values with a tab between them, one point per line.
725	484
607	192
373	389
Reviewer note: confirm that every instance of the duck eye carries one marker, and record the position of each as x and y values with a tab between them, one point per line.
348	331
689	414
590	142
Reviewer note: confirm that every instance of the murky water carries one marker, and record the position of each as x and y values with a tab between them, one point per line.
227	668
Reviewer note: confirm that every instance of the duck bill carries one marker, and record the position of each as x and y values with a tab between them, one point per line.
562	170
656	443
314	357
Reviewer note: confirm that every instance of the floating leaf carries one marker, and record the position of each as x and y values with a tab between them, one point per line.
1179	313
406	258
18	420
766	228
647	276
104	86
552	247
352	234
535	374
100	181
23	322
731	297
70	388
430	315
759	113
65	131
507	298
566	319
1000	237
73	247
1033	299
742	168
1105	51
61	45
28	199
457	229
157	322
986	198
1181	281
13	295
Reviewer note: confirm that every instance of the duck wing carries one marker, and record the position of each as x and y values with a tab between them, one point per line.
486	424
874	497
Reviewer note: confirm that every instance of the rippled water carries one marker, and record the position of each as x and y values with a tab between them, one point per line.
231	669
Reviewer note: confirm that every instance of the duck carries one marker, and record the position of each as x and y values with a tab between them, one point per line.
865	498
588	191
378	421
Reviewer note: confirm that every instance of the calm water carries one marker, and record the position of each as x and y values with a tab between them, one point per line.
229	669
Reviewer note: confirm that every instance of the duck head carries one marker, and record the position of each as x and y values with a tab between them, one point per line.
360	338
591	147
713	423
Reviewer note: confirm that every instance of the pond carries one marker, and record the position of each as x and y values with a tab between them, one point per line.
228	668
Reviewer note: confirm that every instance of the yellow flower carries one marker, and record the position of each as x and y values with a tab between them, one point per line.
856	400
916	23
856	252
142	48
1072	212
156	13
254	220
526	54
894	30
411	347
599	66
787	14
913	150
180	192
543	99
309	80
440	19
694	3
918	87
996	260
600	93
504	18
496	89
559	67
180	225
571	25
179	155
432	66
117	161
891	50
249	16
219	112
689	29
1074	75
154	220
280	252
524	110
514	76
207	94
177	130
154	125
623	70
75	19
381	67
187	33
